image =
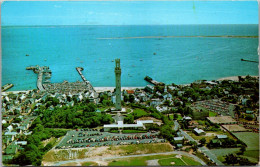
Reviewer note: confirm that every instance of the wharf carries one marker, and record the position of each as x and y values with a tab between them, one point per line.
154	82
79	69
43	73
249	61
6	87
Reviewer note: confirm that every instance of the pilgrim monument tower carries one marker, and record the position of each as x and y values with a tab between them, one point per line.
118	85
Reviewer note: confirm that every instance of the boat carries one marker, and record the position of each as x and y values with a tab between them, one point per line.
26	55
154	53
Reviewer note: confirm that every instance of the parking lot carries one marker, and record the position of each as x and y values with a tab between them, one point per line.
90	138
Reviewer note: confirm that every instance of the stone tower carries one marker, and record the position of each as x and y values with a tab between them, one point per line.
118	85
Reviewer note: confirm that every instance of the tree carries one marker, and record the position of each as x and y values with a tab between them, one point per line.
175	116
126	98
231	159
242	149
194	145
202	141
131	98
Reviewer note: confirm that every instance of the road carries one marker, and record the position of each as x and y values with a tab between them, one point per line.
203	149
129	156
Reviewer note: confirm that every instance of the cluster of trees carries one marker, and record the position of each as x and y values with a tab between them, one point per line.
225	143
233	159
74	117
34	151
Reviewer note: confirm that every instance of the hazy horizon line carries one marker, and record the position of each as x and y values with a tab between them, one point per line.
57	25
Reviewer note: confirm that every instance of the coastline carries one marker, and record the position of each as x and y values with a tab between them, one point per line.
234	78
102	89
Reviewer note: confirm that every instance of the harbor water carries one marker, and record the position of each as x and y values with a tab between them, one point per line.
154	52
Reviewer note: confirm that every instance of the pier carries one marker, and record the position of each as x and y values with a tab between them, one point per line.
154	82
79	69
6	87
249	61
43	73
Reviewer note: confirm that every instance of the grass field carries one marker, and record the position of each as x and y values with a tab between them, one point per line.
190	161
251	139
163	160
171	161
89	164
61	155
212	114
129	131
139	112
220	153
143	148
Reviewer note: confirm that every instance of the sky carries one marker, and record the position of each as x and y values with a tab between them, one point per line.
128	12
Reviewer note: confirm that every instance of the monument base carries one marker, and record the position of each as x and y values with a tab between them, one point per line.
123	110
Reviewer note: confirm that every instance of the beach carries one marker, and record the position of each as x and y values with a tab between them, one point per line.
233	78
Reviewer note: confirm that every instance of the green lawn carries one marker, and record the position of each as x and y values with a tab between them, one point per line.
179	117
129	131
89	164
163	160
146	148
221	152
128	110
136	161
251	139
212	114
139	112
134	131
170	161
190	161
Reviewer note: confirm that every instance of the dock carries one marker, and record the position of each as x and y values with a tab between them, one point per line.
79	69
152	81
43	72
6	87
249	61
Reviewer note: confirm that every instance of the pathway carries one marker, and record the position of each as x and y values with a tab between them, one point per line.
203	149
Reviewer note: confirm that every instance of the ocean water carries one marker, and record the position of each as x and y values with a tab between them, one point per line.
177	60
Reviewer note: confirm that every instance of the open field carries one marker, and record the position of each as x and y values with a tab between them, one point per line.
222	119
252	141
105	151
163	160
89	164
235	128
220	153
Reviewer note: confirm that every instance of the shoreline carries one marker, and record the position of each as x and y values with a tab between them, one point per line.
235	78
102	89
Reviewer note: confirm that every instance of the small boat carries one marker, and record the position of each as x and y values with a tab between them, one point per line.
112	61
154	53
141	59
26	55
44	59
